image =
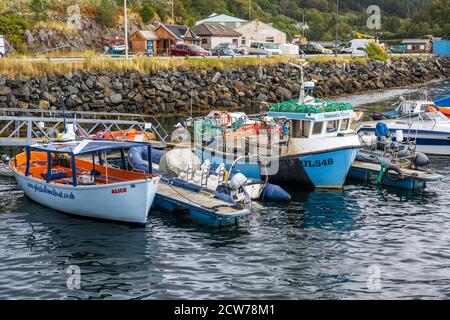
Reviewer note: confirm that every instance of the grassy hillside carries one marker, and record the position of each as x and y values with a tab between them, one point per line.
400	18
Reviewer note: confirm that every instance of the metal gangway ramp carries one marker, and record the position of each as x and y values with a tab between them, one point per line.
20	127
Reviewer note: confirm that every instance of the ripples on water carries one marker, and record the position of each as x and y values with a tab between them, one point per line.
318	246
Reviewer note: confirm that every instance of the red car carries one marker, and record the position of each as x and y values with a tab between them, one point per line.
183	49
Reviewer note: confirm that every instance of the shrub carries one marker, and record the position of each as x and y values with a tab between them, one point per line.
13	28
39	8
376	52
106	13
147	12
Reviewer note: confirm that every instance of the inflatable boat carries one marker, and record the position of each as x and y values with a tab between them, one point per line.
181	167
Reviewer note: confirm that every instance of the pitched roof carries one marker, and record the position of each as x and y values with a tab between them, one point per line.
148	34
415	40
220	18
178	31
215	29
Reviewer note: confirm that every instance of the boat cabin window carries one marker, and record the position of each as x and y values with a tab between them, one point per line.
300	128
345	123
317	128
332	126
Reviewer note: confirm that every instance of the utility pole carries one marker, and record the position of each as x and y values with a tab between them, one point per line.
125	27
249	9
337	27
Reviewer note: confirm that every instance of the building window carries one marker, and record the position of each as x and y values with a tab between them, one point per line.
243	42
204	41
270	39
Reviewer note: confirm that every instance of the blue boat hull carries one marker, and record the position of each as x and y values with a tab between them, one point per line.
320	170
444	102
370	177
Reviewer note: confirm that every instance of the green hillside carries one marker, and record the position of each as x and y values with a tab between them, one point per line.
400	18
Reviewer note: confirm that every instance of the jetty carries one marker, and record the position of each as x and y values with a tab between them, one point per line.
21	127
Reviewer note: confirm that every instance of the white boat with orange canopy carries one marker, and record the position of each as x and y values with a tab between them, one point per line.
74	177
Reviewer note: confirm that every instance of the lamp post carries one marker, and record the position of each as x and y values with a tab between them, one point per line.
337	28
125	27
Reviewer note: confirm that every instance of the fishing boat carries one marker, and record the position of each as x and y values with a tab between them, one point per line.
304	143
385	162
430	131
74	177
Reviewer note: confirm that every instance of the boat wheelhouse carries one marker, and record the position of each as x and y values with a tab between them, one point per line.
74	177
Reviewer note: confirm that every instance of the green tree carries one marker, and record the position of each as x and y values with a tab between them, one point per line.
39	8
106	13
147	12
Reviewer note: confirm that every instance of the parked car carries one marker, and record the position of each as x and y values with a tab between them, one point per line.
182	49
358	51
265	48
225	49
354	44
2	47
314	48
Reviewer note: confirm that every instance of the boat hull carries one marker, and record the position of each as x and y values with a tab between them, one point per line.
326	169
319	170
427	141
127	202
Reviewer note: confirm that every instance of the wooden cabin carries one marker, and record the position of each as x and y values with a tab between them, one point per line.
169	35
144	41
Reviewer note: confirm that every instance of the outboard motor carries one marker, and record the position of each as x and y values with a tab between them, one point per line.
421	159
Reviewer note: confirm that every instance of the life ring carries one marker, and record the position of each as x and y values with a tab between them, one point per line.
394	177
228	122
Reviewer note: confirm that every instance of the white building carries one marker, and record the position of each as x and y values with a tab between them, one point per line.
212	34
223	19
260	31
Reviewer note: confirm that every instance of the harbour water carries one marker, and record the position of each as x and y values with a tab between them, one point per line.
363	242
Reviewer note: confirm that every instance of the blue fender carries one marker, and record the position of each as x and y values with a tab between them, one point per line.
274	193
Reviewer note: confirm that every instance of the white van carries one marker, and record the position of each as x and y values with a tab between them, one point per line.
264	48
355	45
2	47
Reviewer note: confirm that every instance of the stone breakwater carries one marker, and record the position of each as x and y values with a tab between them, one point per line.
174	91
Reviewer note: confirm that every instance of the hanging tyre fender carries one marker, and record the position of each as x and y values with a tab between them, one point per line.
392	176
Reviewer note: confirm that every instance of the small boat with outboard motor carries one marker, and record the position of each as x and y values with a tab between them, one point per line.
65	176
430	131
217	207
182	166
385	162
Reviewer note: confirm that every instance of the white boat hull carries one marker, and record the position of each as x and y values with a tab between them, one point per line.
125	201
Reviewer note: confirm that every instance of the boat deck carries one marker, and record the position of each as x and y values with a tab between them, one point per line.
408	173
202	207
